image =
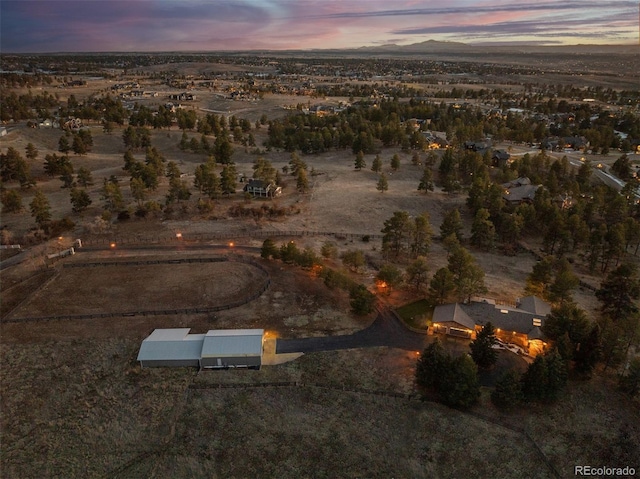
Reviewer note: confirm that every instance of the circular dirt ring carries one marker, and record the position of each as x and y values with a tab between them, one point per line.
131	288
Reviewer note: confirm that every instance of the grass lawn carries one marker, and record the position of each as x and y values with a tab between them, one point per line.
416	314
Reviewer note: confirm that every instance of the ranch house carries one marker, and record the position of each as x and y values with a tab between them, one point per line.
520	325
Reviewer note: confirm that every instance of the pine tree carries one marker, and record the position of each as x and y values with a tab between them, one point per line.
31	151
507	393
269	249
430	367
451	224
359	161
426	181
80	200
482	351
441	286
417	273
376	165
395	162
40	209
383	184
483	232
228	179
11	201
459	386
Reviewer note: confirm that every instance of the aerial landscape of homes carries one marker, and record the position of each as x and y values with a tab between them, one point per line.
353	263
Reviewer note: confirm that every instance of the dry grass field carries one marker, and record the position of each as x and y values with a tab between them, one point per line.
83	408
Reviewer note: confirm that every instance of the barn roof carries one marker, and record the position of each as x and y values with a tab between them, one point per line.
233	342
171	344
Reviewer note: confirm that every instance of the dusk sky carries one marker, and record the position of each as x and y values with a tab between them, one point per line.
199	25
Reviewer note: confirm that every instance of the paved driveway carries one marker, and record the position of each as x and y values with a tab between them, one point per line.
386	330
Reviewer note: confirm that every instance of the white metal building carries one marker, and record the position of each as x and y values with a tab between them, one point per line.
171	347
225	348
230	348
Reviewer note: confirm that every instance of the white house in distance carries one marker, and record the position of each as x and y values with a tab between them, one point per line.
217	349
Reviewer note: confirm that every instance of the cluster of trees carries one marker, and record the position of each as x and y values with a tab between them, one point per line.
568	212
364	127
452	380
362	301
221	149
81	142
26	106
13	167
405	236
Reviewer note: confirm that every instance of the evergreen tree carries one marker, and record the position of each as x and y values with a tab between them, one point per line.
362	301
84	177
619	292
112	196
507	393
441	286
451	224
63	144
138	190
269	249
31	151
540	278
482	351
80	200
565	281
417	273
359	161
397	231
430	367
40	209
376	164
545	377
426	181
11	201
383	184
459	386
395	162
228	179
483	232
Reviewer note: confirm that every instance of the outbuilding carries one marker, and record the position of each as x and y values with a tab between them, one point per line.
232	348
217	349
171	348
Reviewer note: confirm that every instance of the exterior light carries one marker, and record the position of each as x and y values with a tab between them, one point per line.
113	244
178	235
231	245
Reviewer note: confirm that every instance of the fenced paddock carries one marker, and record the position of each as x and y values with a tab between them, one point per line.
115	289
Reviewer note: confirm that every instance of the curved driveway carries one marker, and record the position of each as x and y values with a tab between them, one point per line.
386	330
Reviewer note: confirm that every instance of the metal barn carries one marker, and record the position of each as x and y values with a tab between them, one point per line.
218	349
232	348
171	348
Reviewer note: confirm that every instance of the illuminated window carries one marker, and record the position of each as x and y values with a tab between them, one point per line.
537	322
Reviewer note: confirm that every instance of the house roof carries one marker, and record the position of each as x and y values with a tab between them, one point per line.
504	317
520	193
233	342
501	155
452	313
171	344
535	305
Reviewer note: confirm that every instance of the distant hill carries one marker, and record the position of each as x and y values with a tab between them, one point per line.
435	47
